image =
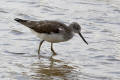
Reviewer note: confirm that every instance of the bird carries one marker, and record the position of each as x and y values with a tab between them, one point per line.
52	31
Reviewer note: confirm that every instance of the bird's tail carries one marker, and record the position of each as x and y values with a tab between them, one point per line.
27	23
24	22
20	20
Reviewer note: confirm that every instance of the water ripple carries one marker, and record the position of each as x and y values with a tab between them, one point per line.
100	60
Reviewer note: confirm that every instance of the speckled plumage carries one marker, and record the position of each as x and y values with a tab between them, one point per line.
45	28
52	31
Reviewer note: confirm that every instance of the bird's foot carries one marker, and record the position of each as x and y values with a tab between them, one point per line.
38	55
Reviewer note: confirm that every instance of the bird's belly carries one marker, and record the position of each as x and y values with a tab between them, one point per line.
53	37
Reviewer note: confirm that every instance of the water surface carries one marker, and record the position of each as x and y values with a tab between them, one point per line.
100	22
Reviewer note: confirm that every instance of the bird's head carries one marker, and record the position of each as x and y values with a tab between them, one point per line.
77	29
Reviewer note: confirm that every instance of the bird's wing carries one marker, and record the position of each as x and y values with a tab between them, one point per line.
48	27
44	26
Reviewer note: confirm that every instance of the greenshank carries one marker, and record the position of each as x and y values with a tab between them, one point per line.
52	31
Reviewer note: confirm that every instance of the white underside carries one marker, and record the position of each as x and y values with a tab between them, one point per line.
54	38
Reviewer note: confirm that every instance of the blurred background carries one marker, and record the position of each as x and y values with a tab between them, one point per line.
100	22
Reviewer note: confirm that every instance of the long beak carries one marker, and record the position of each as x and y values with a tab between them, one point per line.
83	38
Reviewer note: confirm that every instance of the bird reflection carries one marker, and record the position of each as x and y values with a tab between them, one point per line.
53	68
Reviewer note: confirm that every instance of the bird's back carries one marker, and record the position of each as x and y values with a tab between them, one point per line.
45	26
51	31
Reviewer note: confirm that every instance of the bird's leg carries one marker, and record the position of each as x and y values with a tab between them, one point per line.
54	53
39	48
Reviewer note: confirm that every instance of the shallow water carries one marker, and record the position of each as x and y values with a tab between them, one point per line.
100	22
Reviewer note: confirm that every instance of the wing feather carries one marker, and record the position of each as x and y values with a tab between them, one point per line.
44	26
49	27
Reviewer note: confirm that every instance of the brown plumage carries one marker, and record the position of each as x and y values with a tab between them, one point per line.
52	31
44	26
